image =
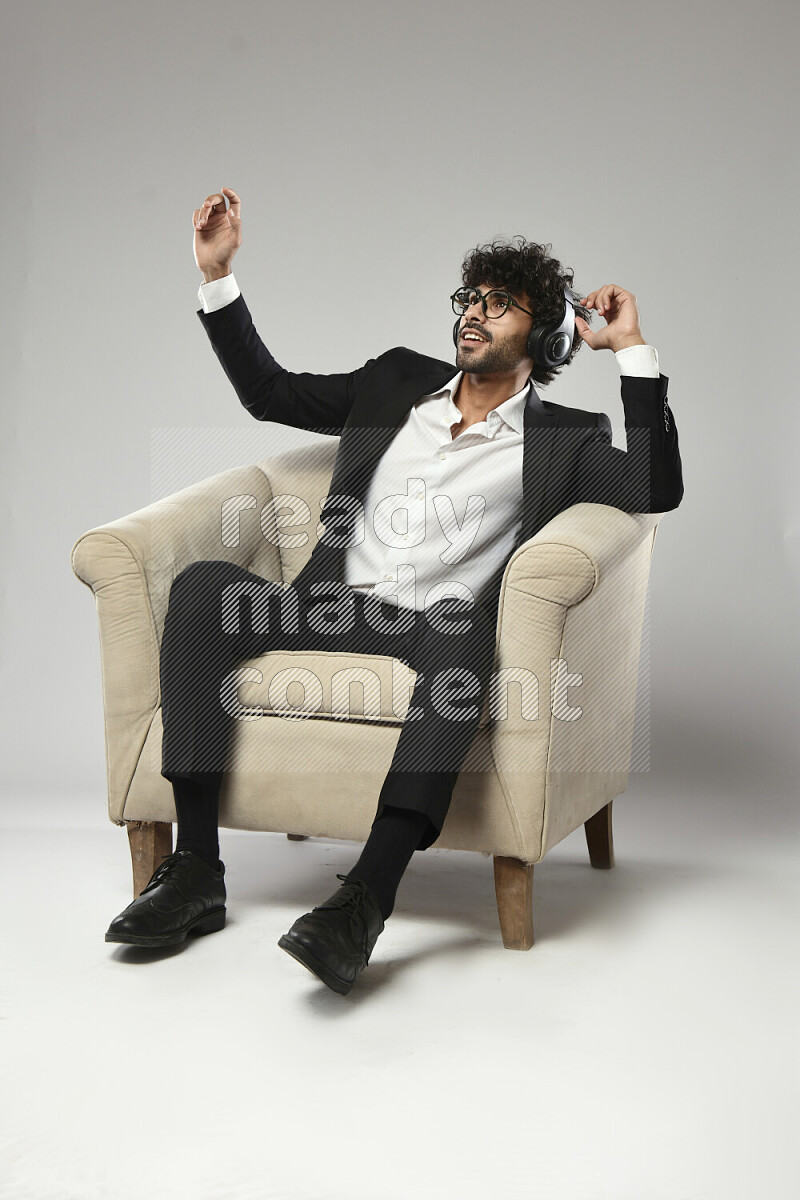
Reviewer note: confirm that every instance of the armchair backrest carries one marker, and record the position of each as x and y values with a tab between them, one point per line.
303	477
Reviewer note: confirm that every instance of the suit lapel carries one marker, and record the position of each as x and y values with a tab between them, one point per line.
540	425
368	441
405	395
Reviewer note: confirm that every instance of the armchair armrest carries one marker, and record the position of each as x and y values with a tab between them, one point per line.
563	693
156	543
130	565
563	562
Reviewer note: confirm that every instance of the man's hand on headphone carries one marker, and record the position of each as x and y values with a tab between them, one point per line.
217	233
622	317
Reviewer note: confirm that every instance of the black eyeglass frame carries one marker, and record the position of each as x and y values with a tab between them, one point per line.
511	302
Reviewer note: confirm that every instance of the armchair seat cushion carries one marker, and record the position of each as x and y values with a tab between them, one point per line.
297	684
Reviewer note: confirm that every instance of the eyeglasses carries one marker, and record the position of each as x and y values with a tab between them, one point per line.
494	303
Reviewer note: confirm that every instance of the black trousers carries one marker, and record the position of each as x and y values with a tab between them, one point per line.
220	614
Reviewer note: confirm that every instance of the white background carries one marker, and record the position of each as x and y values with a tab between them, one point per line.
372	145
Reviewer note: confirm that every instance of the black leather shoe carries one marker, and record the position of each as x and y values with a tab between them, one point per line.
185	895
335	940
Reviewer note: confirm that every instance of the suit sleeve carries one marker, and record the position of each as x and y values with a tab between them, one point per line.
648	476
269	392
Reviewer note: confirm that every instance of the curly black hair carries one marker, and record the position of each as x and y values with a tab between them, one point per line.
526	269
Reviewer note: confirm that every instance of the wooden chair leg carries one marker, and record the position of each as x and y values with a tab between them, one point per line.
149	842
297	837
513	887
600	838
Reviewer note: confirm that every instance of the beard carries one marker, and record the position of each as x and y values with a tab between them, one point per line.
498	358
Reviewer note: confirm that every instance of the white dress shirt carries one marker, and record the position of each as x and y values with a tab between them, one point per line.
441	514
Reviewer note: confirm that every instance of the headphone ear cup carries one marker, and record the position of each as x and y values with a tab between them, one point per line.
551	345
455	332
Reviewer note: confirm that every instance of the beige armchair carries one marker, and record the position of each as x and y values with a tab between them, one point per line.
318	731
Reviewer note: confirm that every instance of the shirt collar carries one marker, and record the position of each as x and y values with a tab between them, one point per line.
511	410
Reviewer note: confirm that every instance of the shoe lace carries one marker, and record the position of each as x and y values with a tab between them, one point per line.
168	864
350	899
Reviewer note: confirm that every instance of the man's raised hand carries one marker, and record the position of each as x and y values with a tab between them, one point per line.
217	233
622	316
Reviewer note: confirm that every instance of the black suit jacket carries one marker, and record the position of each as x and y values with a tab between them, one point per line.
567	457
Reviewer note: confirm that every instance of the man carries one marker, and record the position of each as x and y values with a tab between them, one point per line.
476	440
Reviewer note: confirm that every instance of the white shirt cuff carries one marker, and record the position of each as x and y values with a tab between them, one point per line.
638	360
218	292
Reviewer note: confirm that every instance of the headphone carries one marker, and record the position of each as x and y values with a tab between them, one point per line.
548	345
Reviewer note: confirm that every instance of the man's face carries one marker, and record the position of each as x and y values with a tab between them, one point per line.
493	346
